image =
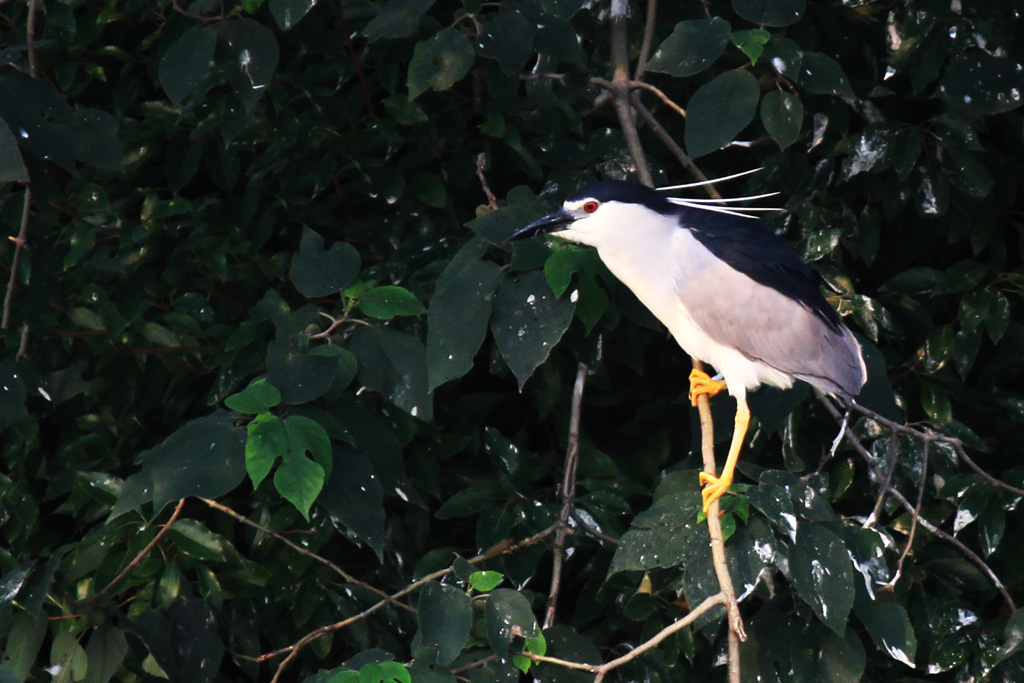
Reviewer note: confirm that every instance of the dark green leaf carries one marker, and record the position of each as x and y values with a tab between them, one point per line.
404	111
770	12
528	321
508	617
889	626
1013	634
782	114
997	317
719	110
299	377
259	397
12	168
485	581
394	364
842	659
438	62
287	13
186	62
822	574
822	74
204	458
963	275
389	301
354	495
396	19
983	83
106	650
507	38
12	395
445	616
252	57
693	46
193	538
457	320
316	272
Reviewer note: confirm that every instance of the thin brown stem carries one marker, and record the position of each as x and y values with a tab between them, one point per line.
914	517
572	456
648	44
138	558
673	147
492	201
302	551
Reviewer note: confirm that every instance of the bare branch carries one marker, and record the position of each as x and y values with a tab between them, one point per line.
492	201
648	44
572	455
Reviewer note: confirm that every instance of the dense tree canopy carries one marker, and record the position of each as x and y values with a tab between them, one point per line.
279	403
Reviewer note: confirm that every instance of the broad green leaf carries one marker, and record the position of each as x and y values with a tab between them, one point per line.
287	13
821	74
68	657
12	167
106	650
396	19
770	12
751	42
527	322
388	302
457	319
656	537
719	110
316	272
259	397
1013	634
497	226
445	616
782	114
98	143
842	659
694	45
869	151
299	480
429	188
961	276
394	364
485	581
507	38
785	55
550	39
204	458
969	174
384	672
300	377
889	626
997	317
193	538
983	83
353	494
253	54
24	641
438	62
822	574
402	110
508	617
186	62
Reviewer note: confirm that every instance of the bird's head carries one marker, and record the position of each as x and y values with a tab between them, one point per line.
599	210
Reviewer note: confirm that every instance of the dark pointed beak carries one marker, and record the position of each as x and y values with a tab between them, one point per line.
553	222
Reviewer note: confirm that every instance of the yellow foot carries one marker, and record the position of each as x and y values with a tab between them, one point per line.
714	488
702	383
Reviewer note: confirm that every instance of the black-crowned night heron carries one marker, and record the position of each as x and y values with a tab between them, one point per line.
733	295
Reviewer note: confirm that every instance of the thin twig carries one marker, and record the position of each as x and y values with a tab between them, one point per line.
302	551
604	538
138	558
673	147
492	201
913	520
620	88
572	456
876	512
292	650
648	44
893	491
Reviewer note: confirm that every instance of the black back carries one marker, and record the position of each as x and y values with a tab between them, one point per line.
741	242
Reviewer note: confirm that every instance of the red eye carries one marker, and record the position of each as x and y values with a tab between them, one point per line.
590	207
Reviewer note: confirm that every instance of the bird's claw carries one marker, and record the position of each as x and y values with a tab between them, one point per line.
714	488
702	383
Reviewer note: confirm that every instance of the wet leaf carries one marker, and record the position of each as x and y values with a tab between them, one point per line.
438	62
316	272
693	46
396	19
508	617
822	74
389	301
253	55
822	574
782	114
719	110
507	38
961	276
353	494
997	317
528	321
770	12
287	13
12	167
983	83
186	62
445	615
300	377
889	626
394	364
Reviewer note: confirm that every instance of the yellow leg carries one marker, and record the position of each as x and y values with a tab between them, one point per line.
714	486
701	383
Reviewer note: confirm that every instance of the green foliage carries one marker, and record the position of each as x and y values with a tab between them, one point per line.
265	273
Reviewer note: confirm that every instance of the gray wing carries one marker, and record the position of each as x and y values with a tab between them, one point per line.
767	326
